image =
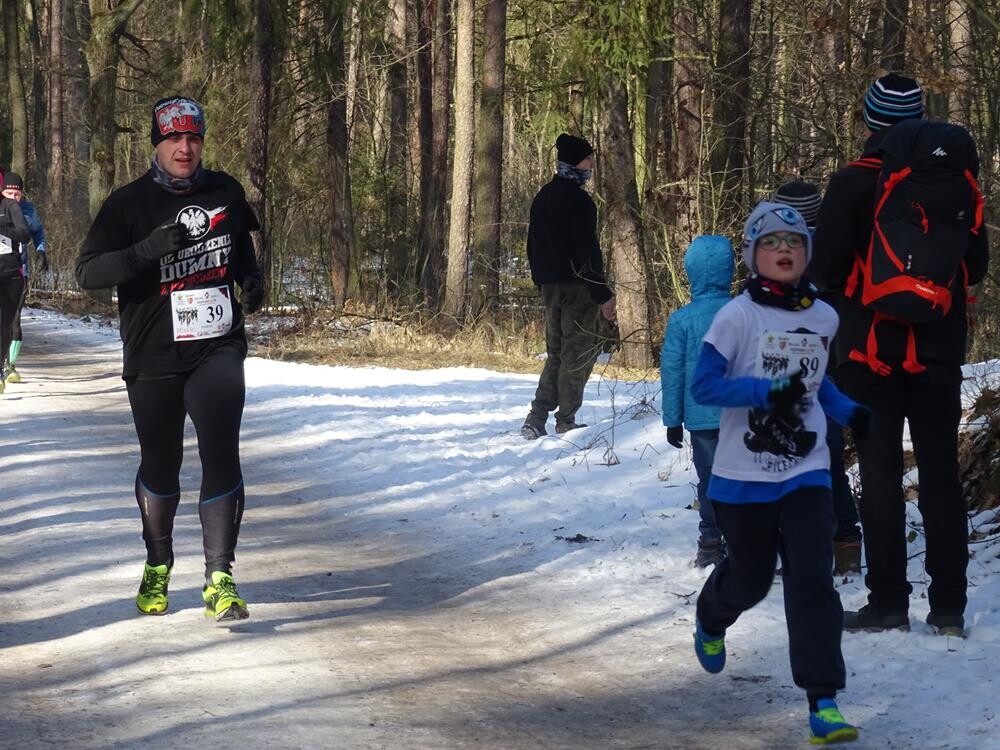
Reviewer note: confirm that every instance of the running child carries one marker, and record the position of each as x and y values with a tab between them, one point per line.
764	361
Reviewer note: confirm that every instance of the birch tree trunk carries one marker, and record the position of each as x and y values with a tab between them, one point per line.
456	293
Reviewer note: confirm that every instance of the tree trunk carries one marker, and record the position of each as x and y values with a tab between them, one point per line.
397	157
621	216
76	114
685	159
56	64
38	166
434	222
960	97
17	102
729	115
456	293
337	144
103	55
894	34
489	159
259	134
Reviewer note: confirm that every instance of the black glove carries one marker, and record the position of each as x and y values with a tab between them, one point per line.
675	436
253	294
43	262
786	393
860	422
161	241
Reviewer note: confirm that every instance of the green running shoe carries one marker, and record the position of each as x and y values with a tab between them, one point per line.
13	376
152	596
827	725
222	602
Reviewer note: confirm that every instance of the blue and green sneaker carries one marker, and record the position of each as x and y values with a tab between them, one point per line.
827	725
152	596
710	649
222	603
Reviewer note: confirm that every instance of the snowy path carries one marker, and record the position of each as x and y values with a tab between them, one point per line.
406	584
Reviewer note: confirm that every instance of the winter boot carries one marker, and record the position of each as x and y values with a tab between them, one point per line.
953	625
533	428
827	725
564	427
871	620
847	557
710	552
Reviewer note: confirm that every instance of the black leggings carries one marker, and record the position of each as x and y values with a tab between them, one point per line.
11	288
16	327
213	394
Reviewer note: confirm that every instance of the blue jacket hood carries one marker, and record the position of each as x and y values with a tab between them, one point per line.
710	266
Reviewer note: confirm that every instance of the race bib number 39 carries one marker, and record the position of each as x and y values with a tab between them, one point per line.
201	313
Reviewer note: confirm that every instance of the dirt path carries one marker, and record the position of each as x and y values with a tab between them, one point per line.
367	631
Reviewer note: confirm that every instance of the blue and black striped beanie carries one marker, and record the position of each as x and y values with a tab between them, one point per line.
891	99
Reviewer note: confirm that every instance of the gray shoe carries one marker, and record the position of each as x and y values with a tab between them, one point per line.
953	625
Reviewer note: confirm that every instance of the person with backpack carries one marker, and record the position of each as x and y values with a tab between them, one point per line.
708	263
806	198
764	361
900	235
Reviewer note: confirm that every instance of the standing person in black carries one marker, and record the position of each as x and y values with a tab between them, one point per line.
916	378
174	242
565	258
13	231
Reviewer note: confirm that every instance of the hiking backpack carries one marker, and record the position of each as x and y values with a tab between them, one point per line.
927	206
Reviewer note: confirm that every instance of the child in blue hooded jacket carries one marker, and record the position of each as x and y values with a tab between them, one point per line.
708	263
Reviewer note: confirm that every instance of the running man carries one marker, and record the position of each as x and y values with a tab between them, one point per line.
174	242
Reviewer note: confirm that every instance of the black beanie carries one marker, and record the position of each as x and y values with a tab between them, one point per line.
571	149
803	196
891	99
174	115
13	181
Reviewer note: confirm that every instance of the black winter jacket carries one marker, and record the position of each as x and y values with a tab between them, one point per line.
843	230
562	238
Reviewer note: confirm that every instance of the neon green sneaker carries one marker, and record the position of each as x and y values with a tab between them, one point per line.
221	600
13	376
827	725
152	596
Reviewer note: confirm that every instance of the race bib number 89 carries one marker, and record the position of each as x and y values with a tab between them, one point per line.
201	313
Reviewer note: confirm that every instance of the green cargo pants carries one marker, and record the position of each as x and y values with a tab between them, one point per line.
571	343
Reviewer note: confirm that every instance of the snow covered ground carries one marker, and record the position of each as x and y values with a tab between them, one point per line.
418	576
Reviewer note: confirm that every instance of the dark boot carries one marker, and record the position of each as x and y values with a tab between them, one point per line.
564	427
953	625
533	427
871	620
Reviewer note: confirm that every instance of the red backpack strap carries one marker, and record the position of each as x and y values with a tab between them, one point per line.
870	355
978	197
911	364
867	162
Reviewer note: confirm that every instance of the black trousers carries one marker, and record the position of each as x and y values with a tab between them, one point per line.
933	409
798	527
11	288
16	328
213	394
